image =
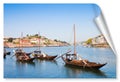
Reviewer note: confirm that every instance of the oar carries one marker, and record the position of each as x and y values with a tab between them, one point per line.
63	54
13	52
12	56
31	52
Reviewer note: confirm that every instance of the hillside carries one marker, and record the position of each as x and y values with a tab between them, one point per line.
32	41
98	41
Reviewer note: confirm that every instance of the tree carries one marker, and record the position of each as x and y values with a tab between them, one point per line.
27	35
56	40
89	41
10	39
36	35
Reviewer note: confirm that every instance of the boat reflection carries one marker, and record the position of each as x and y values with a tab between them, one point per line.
19	63
73	71
43	61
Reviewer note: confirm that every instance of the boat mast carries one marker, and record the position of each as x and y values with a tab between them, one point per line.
74	40
39	40
21	40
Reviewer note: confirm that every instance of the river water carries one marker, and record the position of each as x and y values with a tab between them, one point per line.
57	69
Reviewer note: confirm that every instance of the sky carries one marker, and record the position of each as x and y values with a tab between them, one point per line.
54	21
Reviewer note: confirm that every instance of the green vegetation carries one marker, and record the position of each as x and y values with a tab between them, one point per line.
48	42
33	43
10	39
33	36
27	35
59	41
56	40
15	42
89	41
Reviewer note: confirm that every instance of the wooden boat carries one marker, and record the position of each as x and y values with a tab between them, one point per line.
38	54
74	60
43	56
22	56
6	53
83	63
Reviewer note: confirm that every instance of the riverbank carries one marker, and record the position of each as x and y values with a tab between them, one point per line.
32	41
97	42
11	45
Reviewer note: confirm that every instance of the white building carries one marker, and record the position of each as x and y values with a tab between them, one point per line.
99	40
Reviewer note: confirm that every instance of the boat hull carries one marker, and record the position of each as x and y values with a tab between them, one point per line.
26	60
47	57
87	67
23	57
6	53
81	64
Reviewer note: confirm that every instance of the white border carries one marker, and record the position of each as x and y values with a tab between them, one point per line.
110	9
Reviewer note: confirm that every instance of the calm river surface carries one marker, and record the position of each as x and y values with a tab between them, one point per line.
57	69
